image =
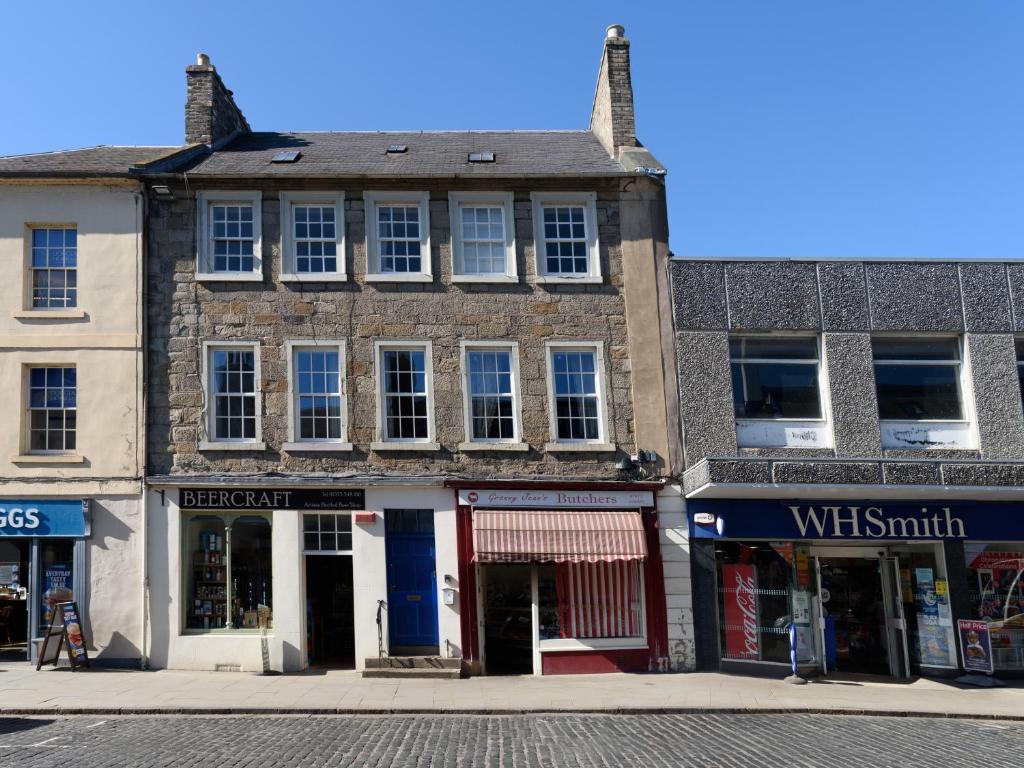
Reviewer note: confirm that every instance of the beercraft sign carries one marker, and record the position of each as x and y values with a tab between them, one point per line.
850	521
41	517
269	499
590	499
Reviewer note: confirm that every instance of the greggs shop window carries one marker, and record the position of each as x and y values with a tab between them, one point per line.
753	601
228	583
995	585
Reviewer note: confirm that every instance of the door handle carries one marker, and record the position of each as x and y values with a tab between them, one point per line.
392	588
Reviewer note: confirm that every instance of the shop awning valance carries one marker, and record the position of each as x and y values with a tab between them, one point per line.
557	536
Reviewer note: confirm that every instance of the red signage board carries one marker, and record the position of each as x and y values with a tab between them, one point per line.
742	640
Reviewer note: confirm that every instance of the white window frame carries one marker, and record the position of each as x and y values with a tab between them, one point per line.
504	200
515	443
785	432
40	454
384	443
602	444
371	202
289	263
204	235
588	200
940	434
297	444
209	415
328	552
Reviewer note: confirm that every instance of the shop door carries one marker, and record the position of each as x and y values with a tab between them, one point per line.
15	597
507	619
895	623
412	581
330	621
853	615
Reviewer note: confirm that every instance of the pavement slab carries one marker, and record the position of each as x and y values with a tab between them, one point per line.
23	690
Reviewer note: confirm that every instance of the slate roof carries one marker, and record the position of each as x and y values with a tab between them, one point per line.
90	161
439	153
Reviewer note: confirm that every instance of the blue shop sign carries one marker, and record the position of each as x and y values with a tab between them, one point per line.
855	521
42	517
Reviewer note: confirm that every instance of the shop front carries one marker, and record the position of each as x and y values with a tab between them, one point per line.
567	579
289	577
874	587
42	563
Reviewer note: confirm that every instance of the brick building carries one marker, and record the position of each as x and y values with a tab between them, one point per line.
412	381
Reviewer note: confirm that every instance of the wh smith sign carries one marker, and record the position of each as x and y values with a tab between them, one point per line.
37	517
902	521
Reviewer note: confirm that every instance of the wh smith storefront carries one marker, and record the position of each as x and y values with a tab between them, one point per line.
872	587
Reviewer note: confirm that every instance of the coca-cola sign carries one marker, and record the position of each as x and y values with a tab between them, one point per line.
742	640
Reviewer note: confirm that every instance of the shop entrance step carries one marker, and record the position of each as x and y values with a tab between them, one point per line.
413	666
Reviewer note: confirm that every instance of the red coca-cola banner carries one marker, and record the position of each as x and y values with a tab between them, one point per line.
740	591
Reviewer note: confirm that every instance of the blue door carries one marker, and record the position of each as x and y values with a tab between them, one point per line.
412	579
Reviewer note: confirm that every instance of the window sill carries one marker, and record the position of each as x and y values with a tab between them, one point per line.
226	445
580	448
314	277
313	447
398	277
485	279
484	446
246	632
48	458
230	277
597	644
399	445
555	280
49	314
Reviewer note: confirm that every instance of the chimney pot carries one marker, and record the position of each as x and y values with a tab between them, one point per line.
203	59
615	31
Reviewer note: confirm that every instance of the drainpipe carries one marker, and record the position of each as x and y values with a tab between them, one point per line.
141	451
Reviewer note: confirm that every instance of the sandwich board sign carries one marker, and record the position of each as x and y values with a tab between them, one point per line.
66	631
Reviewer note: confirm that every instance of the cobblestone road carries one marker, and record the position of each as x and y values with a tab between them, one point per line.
541	740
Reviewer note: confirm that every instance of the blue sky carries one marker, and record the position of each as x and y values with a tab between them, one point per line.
789	127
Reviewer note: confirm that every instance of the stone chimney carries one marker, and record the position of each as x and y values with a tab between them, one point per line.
612	120
211	115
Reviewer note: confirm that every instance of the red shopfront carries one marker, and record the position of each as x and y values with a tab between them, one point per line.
560	579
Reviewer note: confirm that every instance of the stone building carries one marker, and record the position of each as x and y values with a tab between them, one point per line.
853	436
378	363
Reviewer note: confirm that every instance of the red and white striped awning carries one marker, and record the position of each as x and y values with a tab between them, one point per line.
559	536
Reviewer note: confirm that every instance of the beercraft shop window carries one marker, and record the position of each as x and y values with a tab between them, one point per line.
591	602
753	602
576	387
565	227
54	268
918	379
313	236
397	236
233	395
228	576
483	237
995	588
775	377
229	236
490	387
405	393
327	532
52	409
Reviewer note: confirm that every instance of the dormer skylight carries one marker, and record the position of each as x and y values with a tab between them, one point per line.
481	157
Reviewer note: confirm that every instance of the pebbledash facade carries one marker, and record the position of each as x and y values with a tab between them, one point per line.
854	436
406	395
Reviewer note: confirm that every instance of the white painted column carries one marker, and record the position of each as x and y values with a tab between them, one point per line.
675	556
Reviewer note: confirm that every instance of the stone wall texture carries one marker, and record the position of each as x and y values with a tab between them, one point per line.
184	313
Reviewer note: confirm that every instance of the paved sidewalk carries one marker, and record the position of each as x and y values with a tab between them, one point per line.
102	691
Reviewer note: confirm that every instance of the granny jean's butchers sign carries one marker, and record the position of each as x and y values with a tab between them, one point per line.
902	521
568	499
268	499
